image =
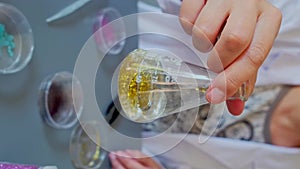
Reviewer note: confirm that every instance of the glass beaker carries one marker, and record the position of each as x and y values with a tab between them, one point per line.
154	84
84	152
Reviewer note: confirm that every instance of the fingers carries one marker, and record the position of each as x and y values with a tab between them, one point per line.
189	12
130	163
236	107
114	162
235	38
122	160
247	65
142	158
250	28
132	159
209	24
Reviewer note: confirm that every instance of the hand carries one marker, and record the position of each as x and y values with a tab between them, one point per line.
242	31
132	159
285	120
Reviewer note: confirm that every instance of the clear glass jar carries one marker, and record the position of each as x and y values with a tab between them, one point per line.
107	34
17	44
86	153
57	95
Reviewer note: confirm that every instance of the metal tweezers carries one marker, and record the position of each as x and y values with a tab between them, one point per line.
67	10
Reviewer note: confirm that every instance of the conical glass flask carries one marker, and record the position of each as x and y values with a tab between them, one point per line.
155	83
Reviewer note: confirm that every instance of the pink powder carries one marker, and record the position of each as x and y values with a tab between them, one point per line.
16	166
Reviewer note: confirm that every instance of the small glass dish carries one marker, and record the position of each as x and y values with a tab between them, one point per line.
108	34
84	152
16	40
57	94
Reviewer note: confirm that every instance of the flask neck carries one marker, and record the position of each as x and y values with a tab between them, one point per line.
204	78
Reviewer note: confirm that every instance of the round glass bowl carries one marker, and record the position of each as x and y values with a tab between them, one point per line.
108	34
56	100
16	40
84	152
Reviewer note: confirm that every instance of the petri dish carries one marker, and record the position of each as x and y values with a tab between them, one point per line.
57	95
108	34
84	152
16	40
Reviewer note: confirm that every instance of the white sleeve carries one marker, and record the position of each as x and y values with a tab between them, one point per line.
283	63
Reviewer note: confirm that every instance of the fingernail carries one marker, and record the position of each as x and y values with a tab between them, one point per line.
216	95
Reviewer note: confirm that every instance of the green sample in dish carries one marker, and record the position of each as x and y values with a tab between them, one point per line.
6	41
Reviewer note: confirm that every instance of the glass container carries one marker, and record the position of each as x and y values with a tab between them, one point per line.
56	100
156	83
107	34
84	152
16	40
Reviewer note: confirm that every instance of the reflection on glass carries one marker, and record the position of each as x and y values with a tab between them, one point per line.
84	152
56	100
154	83
16	40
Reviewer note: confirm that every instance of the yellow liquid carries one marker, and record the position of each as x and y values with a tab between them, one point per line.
139	88
90	153
137	85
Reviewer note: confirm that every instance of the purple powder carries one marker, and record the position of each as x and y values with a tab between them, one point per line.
16	166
